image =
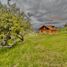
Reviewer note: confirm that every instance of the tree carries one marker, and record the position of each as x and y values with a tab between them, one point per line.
12	27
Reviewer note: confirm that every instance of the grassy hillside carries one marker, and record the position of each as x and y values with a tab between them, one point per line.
38	50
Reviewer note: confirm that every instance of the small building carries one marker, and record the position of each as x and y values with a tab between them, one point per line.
43	29
52	29
48	29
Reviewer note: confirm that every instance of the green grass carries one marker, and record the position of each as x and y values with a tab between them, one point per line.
38	50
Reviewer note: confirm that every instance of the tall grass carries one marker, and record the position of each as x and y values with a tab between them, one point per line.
37	50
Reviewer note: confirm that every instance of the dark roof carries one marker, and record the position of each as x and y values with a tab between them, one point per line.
43	27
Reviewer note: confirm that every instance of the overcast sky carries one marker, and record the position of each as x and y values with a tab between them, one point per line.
44	11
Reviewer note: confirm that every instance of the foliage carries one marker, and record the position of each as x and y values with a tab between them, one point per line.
38	50
12	26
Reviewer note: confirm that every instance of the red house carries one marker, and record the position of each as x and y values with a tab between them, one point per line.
43	29
48	29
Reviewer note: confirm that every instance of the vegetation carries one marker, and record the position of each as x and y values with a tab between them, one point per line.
12	25
37	50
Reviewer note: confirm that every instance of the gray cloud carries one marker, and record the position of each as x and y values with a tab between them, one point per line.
42	10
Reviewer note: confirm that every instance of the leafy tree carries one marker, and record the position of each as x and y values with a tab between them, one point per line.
12	26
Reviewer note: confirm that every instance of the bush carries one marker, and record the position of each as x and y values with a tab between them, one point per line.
12	27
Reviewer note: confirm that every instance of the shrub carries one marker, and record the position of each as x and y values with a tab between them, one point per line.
12	27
